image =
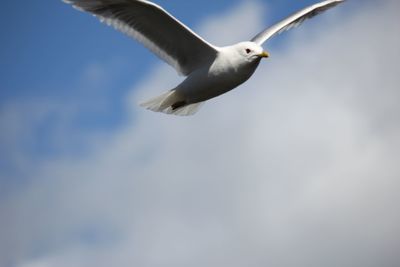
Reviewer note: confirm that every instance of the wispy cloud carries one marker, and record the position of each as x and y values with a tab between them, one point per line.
298	167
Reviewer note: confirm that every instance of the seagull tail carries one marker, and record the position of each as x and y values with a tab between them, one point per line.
171	103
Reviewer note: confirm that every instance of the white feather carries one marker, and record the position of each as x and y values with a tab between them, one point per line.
155	28
295	20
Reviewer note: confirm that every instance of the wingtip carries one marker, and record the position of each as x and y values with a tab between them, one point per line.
339	1
73	4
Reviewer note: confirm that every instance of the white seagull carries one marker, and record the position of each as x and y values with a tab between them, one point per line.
211	70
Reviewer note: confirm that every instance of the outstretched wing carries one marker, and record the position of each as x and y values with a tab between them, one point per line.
295	20
155	28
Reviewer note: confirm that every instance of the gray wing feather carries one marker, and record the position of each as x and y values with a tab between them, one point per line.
155	28
295	20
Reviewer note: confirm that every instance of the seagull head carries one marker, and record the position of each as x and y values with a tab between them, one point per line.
251	51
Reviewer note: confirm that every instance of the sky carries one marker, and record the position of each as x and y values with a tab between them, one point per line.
297	167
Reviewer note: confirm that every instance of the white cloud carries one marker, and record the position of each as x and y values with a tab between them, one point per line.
298	167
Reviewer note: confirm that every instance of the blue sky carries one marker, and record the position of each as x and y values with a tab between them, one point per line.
53	53
299	161
48	38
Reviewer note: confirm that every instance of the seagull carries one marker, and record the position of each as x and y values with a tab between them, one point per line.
210	70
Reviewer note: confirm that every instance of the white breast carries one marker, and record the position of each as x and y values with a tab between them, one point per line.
228	71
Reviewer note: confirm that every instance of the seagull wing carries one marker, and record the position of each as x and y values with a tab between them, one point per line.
295	20
155	28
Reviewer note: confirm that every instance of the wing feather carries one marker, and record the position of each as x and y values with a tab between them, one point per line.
155	28
295	20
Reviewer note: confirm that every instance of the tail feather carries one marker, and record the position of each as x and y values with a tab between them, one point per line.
164	102
159	103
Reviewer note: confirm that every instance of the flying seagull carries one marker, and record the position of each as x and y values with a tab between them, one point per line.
210	70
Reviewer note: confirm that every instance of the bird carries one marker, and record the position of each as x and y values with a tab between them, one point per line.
210	70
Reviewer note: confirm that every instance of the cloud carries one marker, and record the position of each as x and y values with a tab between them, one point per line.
298	167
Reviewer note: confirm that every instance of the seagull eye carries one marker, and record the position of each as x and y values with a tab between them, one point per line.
248	51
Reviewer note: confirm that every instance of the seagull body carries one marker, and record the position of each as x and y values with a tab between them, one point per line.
229	69
211	71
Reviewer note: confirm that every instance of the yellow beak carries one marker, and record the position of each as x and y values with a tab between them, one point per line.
264	54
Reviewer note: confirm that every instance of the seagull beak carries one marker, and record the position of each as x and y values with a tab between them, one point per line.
264	54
